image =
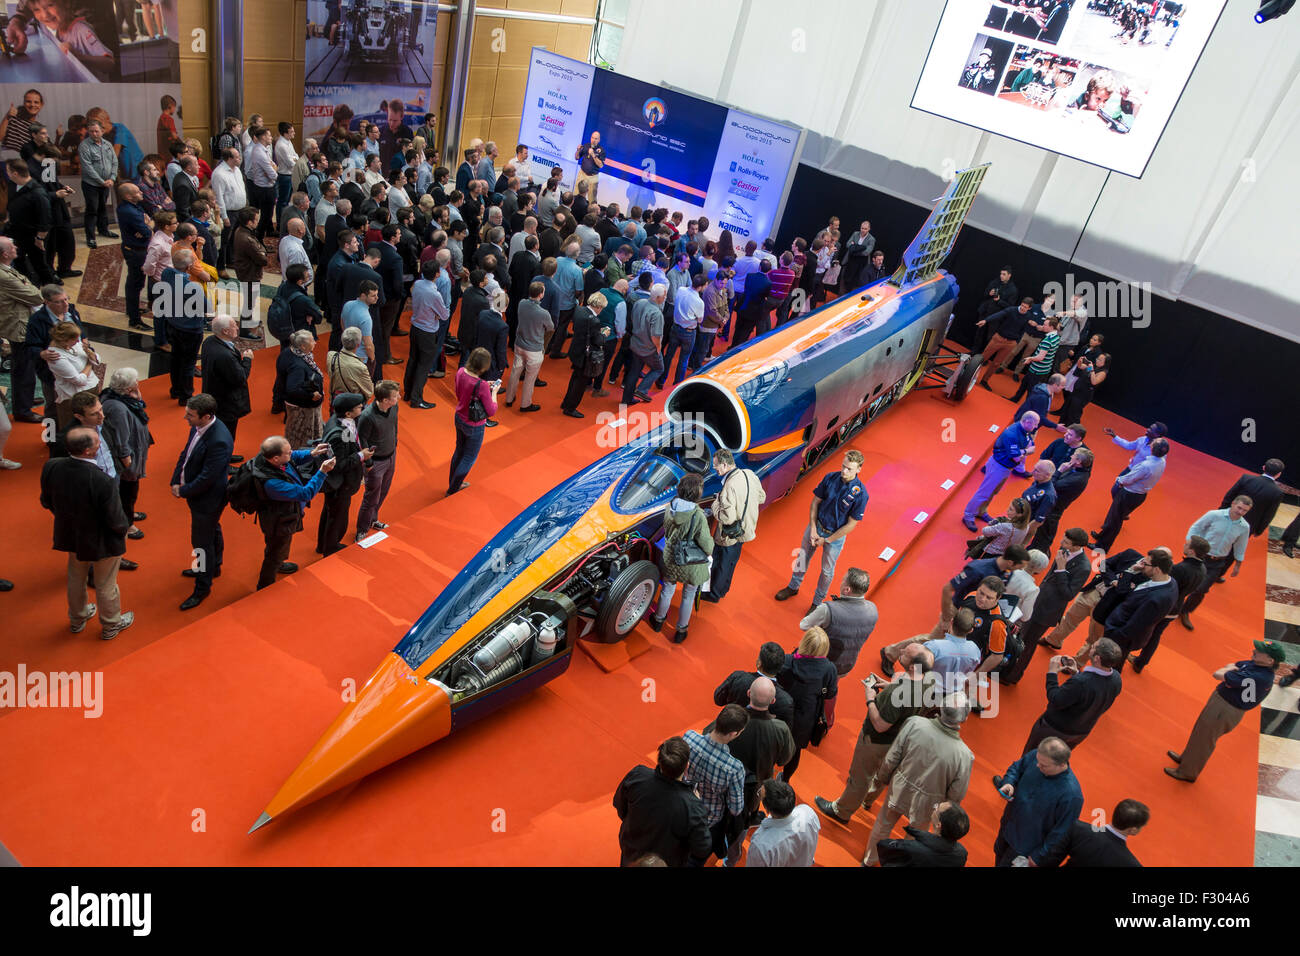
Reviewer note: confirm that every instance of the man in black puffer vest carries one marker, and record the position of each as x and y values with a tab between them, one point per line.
283	495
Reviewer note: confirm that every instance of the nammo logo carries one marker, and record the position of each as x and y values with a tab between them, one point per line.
654	111
732	227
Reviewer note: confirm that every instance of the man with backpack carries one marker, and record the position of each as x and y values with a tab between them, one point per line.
271	487
292	310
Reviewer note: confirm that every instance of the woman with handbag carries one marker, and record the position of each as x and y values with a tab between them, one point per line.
813	683
304	387
476	402
586	353
75	367
687	546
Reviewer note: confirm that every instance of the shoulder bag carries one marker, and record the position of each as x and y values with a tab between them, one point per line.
736	529
685	552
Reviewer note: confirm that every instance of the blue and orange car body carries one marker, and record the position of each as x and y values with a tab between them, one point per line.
781	403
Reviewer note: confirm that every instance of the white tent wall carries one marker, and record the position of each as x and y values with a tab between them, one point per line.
1215	219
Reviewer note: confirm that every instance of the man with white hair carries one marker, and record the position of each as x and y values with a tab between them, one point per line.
927	764
1009	452
284	496
1043	801
226	368
292	248
183	304
645	345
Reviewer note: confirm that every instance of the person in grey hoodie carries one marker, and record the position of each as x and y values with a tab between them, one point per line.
683	522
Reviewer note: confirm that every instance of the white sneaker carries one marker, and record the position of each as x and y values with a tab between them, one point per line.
128	618
8	465
78	626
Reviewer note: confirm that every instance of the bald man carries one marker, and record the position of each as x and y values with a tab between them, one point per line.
226	368
764	744
293	247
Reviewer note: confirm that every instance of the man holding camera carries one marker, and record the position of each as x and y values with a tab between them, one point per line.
736	509
284	498
1074	709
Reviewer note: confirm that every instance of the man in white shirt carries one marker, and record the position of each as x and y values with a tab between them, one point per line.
524	170
292	250
744	266
688	310
286	157
228	187
788	837
1228	532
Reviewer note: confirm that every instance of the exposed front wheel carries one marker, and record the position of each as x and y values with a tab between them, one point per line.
626	603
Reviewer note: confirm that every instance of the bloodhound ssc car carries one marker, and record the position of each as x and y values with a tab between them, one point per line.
580	563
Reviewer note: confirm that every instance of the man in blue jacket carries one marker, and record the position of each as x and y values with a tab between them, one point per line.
284	497
1043	801
1009	452
200	478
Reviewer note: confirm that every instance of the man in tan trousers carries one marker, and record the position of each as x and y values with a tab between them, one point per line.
927	764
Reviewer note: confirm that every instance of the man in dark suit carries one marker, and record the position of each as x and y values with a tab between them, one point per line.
200	478
1065	579
184	187
1070	481
999	294
1074	709
91	526
473	303
1085	845
491	333
30	221
735	689
40	324
523	266
1132	622
940	848
344	256
1263	491
1188	574
390	271
225	374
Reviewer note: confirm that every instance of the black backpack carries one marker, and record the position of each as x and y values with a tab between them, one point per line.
244	490
279	314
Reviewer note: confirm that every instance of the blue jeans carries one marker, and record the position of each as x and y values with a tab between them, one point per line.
703	347
725	559
469	439
640	368
678	338
666	592
283	190
830	554
995	475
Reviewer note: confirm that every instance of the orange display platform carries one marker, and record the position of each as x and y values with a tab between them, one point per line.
203	718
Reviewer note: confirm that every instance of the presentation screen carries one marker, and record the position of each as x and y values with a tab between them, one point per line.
1096	80
662	147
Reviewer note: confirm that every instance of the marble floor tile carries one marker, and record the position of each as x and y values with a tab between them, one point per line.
1279	782
1277	816
1286	614
1279	752
1274	849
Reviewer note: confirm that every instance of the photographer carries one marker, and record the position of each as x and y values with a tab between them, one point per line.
1074	709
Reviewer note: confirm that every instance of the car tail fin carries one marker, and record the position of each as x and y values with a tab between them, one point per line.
932	244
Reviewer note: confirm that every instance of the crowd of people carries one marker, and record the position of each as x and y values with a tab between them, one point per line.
535	271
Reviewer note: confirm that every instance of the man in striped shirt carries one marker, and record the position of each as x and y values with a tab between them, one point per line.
717	777
782	278
1043	362
1227	531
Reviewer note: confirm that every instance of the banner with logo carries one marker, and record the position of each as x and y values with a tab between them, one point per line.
369	60
749	175
662	147
555	109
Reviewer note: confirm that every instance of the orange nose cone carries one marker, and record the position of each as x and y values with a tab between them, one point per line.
396	714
